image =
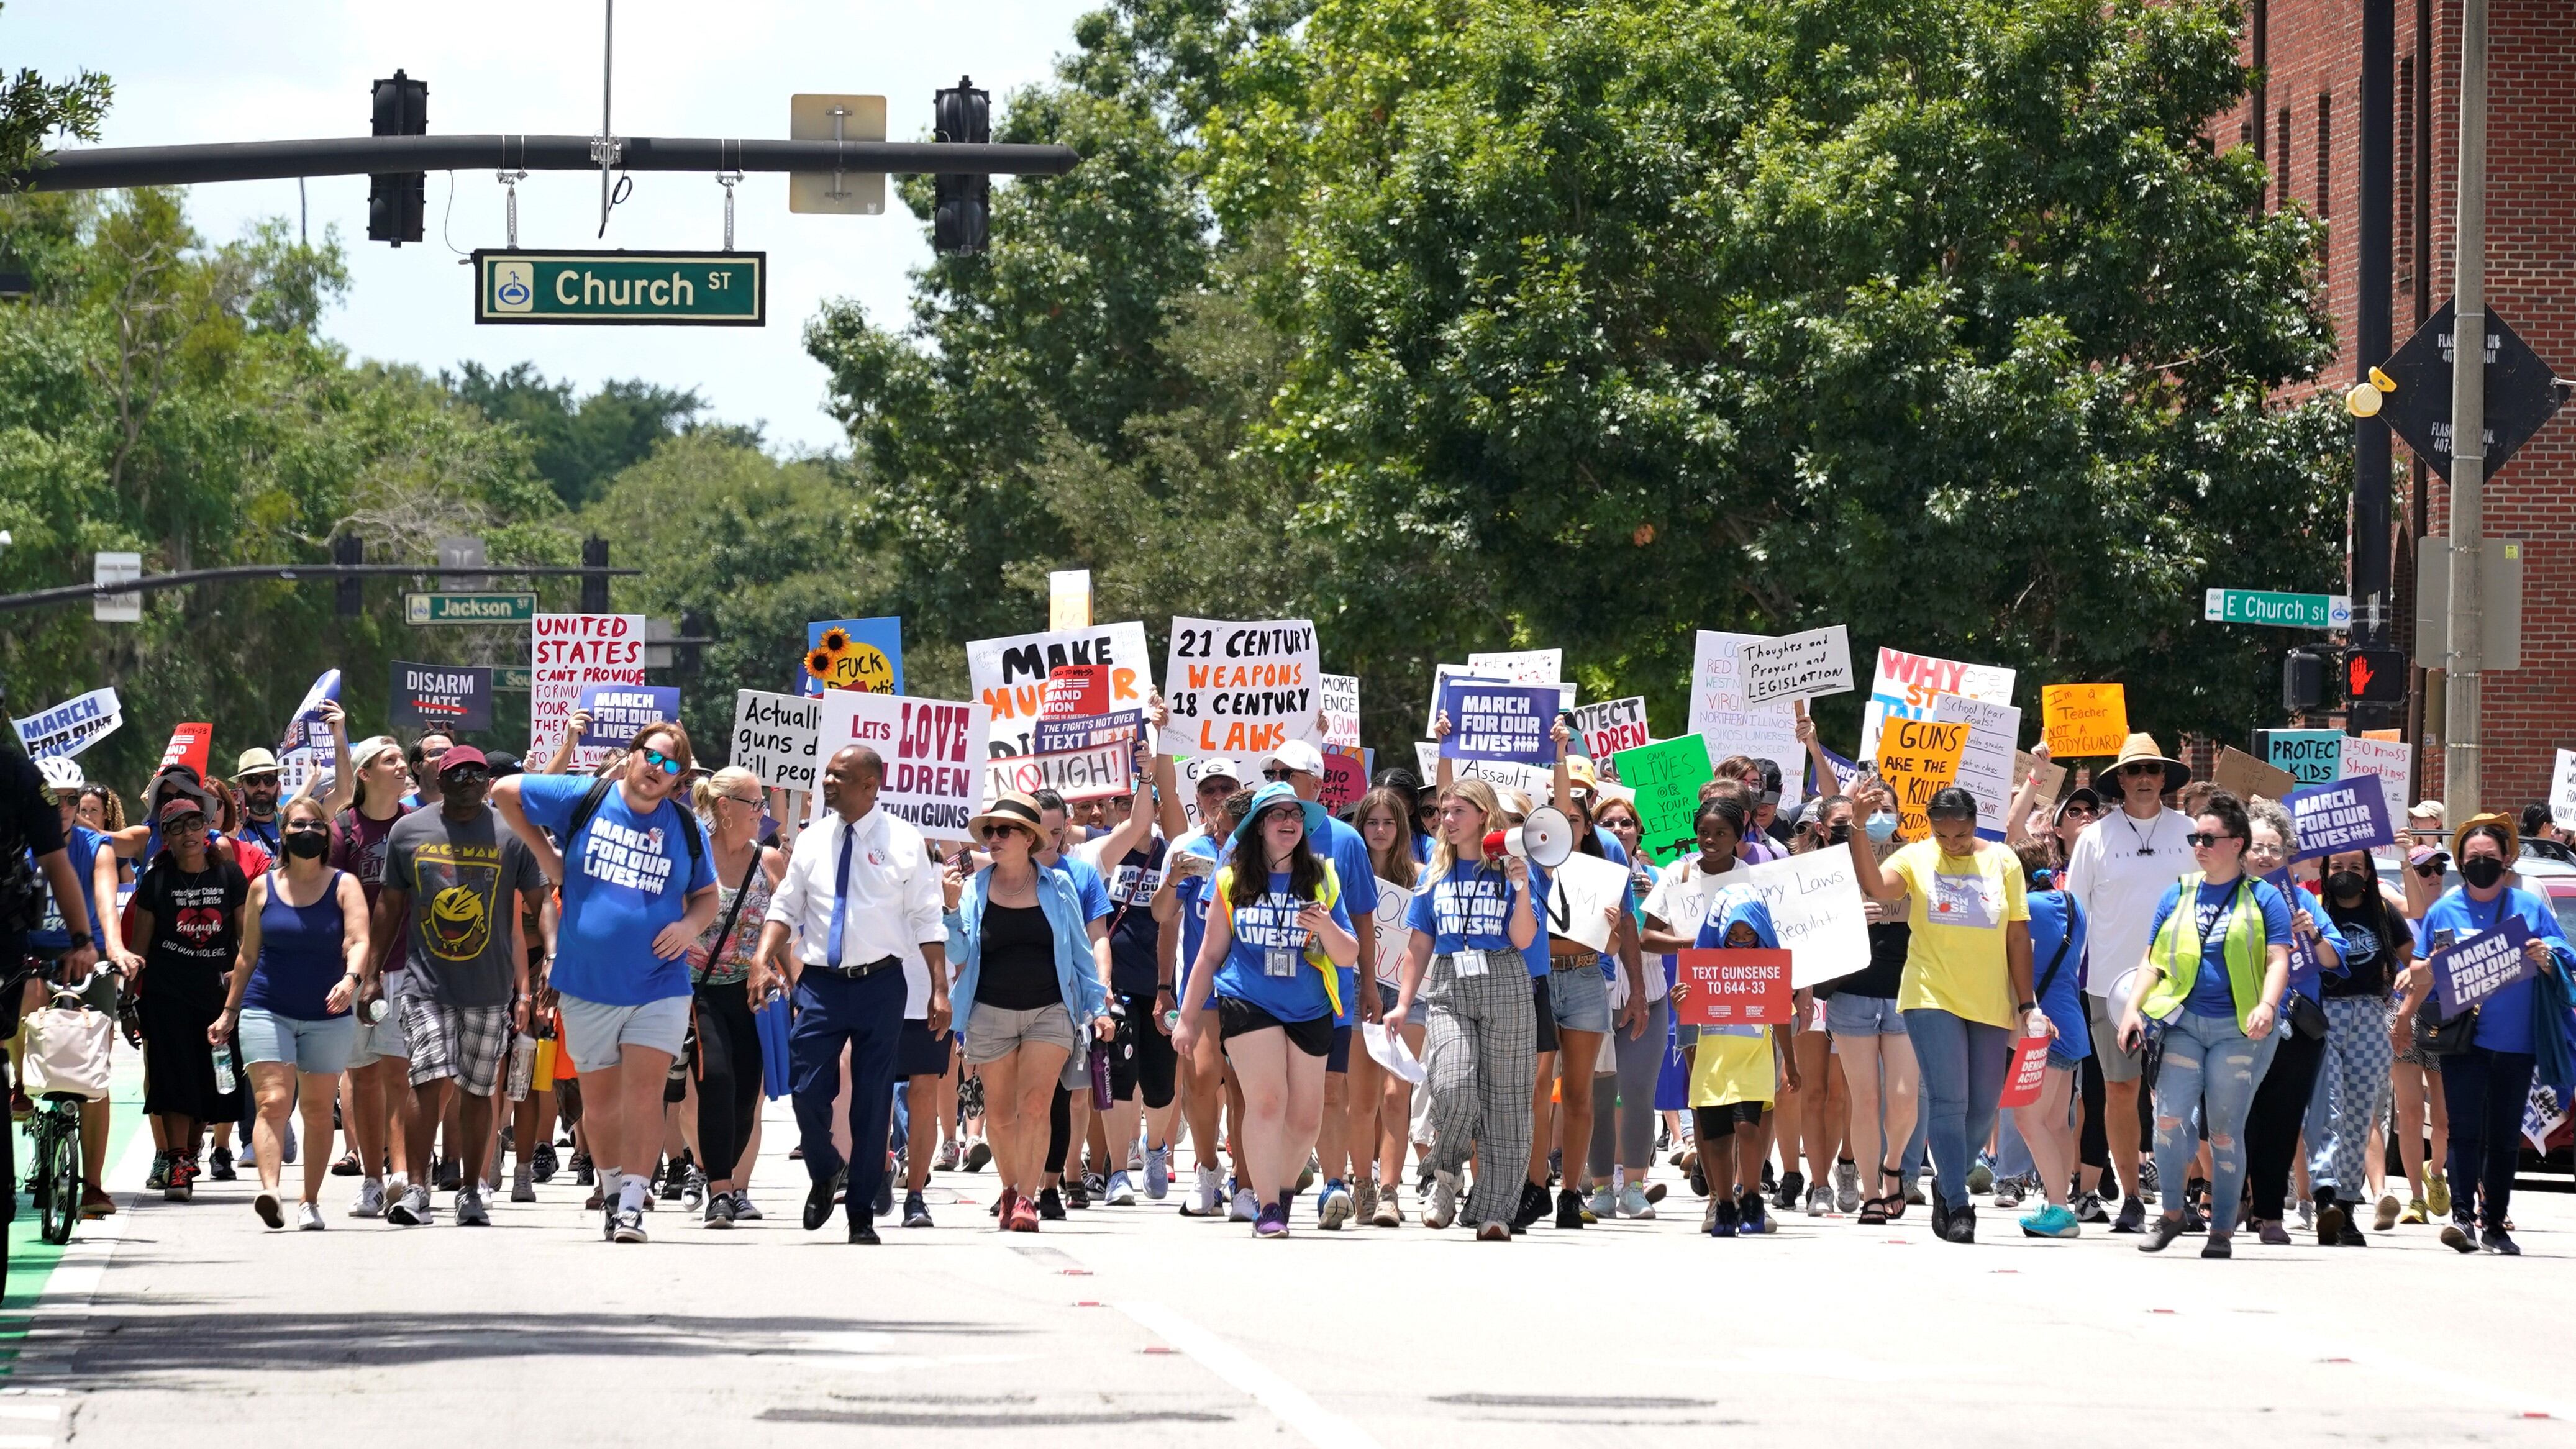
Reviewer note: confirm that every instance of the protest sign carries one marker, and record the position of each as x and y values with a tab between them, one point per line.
2350	814
1074	691
1340	696
2470	971
860	654
1394	936
2562	791
934	752
1732	725
1734	987
1762	735
1241	688
1345	779
1604	729
2028	1072
617	711
189	745
1008	676
1055	736
1521	666
1534	781
1443	674
2304	965
443	696
306	749
1816	911
1795	666
2391	760
1667	776
2312	757
71	726
1583	892
2242	776
1905	685
1069	599
2052	782
1499	722
775	737
1985	764
2084	719
1092	774
567	653
1916	758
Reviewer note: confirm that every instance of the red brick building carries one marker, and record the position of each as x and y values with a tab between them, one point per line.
2305	116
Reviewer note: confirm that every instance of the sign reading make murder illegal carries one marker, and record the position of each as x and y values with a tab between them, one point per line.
1242	689
933	751
1009	676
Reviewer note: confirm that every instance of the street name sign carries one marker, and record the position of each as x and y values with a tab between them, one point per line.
622	289
469	608
2290	611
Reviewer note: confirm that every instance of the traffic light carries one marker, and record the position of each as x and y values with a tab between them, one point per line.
594	586
962	211
351	597
2303	681
2374	674
396	199
687	655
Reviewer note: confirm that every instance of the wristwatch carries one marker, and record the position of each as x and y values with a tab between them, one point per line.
2027	1007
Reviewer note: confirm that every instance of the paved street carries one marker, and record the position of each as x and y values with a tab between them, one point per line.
190	1320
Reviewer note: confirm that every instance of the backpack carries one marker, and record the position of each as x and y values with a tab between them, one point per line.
598	795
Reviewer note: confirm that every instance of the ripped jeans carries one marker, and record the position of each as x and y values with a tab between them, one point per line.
2209	1065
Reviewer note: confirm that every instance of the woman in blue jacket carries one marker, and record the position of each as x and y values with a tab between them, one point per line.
1030	988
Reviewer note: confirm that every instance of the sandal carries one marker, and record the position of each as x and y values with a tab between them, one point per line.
1895	1200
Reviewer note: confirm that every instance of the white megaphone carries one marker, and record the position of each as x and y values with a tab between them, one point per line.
1545	838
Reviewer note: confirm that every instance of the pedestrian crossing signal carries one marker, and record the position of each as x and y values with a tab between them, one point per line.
2374	674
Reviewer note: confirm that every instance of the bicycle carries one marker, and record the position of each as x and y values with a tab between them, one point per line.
69	1062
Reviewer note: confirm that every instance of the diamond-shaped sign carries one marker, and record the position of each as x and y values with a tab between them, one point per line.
2521	393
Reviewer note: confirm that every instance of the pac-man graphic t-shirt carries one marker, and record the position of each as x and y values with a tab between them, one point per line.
459	873
626	876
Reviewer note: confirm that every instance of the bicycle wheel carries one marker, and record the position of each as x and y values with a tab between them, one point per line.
58	1156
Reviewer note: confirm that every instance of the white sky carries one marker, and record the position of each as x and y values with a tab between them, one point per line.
263	70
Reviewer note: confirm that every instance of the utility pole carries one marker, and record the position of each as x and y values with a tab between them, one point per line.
2374	265
2460	727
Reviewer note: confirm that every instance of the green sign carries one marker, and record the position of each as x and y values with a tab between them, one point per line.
1666	777
469	608
692	289
512	676
2289	611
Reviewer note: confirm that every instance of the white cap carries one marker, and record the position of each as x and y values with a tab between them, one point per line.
1212	767
1299	756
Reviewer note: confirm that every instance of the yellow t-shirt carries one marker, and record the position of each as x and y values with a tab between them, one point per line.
1733	1064
1961	907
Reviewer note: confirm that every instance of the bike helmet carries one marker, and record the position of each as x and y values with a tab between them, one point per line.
61	773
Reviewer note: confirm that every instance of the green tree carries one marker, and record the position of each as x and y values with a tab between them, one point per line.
33	109
578	445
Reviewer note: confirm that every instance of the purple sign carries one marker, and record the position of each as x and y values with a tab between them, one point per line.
2477	968
1507	722
1063	736
2350	814
617	711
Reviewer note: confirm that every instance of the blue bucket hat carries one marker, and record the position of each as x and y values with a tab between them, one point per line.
1272	794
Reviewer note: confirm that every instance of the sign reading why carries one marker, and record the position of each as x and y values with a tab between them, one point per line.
2079	720
1008	676
1499	722
2482	965
1906	684
1795	666
1242	689
1341	705
1916	758
1055	736
1092	774
1667	776
1604	729
2350	814
861	654
566	654
933	752
2312	757
444	696
774	737
617	711
1734	987
699	289
71	726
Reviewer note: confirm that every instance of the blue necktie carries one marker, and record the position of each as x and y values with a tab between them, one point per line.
840	902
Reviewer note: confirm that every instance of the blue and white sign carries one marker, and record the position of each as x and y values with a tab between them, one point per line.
71	726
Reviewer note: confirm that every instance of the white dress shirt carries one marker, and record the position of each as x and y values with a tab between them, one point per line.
894	898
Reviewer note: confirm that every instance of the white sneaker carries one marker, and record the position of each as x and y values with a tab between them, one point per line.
1333	1207
470	1210
371	1200
412	1209
626	1225
1819	1200
1121	1191
1847	1187
1605	1202
1208	1197
1442	1208
1245	1208
308	1217
1633	1204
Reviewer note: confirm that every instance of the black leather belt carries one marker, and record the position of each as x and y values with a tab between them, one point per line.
853	973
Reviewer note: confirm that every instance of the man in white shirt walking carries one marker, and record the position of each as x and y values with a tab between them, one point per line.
863	898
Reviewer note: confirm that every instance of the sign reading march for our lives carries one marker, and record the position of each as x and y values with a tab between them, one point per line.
933	752
861	654
566	654
1795	666
617	711
1442	675
1906	685
71	726
1242	689
306	749
2479	967
1008	676
1604	729
2350	814
1506	722
2313	757
443	696
775	736
1666	776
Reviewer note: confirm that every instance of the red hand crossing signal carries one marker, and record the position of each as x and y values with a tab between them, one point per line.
2374	674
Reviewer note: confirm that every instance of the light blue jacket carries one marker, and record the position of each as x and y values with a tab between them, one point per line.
1077	972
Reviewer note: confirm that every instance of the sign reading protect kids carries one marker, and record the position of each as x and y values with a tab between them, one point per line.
1009	676
1242	689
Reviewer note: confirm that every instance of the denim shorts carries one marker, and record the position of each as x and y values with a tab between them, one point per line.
318	1047
1580	996
1857	1016
598	1032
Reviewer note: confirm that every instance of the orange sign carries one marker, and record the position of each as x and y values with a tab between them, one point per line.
2079	720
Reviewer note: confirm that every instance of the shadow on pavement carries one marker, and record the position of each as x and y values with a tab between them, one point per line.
118	1346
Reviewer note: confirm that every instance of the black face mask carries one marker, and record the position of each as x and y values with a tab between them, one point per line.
2482	872
2347	885
307	844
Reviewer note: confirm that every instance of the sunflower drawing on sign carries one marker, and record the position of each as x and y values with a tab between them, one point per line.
840	661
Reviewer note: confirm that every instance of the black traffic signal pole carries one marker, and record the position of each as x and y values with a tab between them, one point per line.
291	573
101	168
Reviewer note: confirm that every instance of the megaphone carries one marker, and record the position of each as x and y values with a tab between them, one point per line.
1544	839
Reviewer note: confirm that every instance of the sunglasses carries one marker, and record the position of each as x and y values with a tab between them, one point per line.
2203	840
661	762
184	825
2142	767
1277	772
466	775
1004	832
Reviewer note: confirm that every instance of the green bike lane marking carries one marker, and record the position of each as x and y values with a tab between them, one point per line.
32	1260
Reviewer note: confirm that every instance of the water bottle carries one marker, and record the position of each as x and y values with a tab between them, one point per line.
523	1067
225	1081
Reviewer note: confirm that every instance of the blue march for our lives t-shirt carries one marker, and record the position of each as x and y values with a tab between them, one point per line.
625	878
1468	909
1268	964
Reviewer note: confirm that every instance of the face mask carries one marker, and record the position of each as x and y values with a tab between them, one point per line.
2482	872
1882	827
307	844
2347	885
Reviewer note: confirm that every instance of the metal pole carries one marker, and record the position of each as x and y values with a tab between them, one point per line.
102	168
2374	264
2461	728
607	137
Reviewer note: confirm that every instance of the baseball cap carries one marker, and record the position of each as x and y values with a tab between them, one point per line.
1770	783
1218	767
1297	755
364	752
1579	773
179	805
2084	794
458	755
254	762
503	763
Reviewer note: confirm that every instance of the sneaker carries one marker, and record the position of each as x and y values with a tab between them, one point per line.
2417	1212
451	1174
2437	1194
266	1206
1749	1216
1981	1176
219	1164
1207	1195
1914	1192
583	1174
2193	1219
1077	1195
183	1181
2386	1215
2271	1234
1272	1223
370	1201
410	1210
2089	1209
2220	1245
159	1177
1364	1201
1306	1179
693	1190
626	1225
1332	1206
743	1210
96	1204
674	1181
1633	1204
545	1161
1023	1217
1121	1192
1846	1186
1158	1173
1721	1218
2330	1221
946	1160
980	1153
1533	1206
1820	1200
2496	1240
1389	1212
1569	1208
2008	1192
916	1213
1604	1204
308	1217
1961	1226
2052	1221
523	1185
470	1209
719	1211
1094	1186
2307	1217
2133	1216
1793	1186
2146	1176
1440	1204
1243	1207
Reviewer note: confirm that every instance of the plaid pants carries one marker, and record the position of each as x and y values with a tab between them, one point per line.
2352	1089
1480	1055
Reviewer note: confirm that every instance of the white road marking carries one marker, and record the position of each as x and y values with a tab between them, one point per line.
1321	1426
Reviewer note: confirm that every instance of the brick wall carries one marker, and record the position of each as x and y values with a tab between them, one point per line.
2313	50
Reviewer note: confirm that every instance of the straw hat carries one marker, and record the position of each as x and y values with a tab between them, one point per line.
2498	819
1013	809
2142	747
